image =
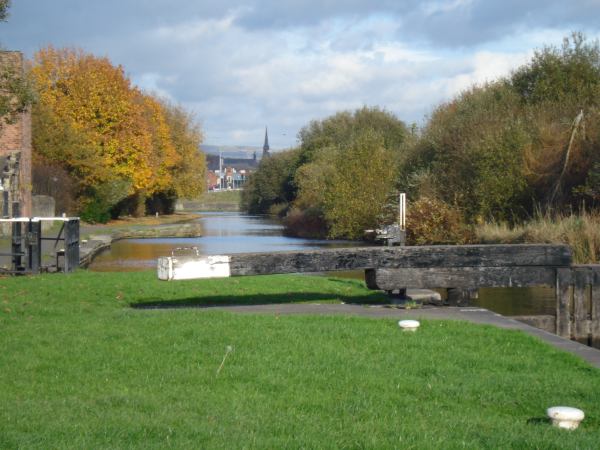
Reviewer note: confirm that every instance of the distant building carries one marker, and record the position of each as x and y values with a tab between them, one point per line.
266	153
235	171
229	179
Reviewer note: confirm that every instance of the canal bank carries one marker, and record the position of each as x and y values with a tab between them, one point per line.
96	238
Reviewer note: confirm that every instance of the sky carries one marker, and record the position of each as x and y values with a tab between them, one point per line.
241	66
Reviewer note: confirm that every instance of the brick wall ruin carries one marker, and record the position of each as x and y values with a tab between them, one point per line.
15	152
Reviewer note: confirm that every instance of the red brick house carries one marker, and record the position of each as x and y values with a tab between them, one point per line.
15	153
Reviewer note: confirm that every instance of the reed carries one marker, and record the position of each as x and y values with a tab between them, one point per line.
580	231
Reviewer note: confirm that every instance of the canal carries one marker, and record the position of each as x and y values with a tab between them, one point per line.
232	232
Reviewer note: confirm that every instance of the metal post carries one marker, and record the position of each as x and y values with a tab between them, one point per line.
4	203
402	212
16	247
17	242
71	257
34	246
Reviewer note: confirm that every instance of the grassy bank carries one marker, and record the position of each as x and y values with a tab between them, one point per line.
580	232
133	225
215	201
81	368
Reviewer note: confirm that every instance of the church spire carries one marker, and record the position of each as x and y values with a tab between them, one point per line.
266	145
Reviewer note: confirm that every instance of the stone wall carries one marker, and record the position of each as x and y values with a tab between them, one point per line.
16	137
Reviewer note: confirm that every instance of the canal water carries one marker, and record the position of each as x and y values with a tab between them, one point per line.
231	232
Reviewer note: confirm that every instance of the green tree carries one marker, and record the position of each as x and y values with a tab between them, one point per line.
272	184
569	74
339	129
349	168
4	5
473	148
358	181
560	91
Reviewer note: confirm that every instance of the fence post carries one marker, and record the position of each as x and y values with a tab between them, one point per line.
34	246
71	245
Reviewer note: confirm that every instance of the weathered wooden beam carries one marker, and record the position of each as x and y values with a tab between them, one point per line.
582	277
461	277
595	325
176	267
564	280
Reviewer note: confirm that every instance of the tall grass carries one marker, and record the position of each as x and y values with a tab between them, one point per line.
580	231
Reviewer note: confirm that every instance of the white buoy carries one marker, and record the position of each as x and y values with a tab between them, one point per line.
565	416
409	325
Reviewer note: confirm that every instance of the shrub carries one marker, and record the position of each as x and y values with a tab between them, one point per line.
431	221
95	211
307	223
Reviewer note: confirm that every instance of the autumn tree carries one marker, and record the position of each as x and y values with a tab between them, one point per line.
560	91
124	145
189	170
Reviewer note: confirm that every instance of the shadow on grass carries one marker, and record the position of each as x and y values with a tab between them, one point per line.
538	421
259	299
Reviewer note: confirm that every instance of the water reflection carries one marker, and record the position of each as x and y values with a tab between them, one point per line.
223	233
518	301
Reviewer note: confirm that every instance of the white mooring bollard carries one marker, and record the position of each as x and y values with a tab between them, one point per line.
409	325
565	416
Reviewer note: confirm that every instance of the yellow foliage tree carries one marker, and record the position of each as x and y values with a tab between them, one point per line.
129	144
189	170
96	99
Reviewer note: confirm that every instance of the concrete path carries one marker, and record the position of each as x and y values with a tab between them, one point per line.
475	315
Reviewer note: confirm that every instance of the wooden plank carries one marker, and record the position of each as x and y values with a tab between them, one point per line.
368	257
581	324
461	277
564	278
595	324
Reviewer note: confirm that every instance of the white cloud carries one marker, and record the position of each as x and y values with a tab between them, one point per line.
243	66
445	6
192	31
151	82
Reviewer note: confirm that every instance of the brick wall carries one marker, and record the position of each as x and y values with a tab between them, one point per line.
17	137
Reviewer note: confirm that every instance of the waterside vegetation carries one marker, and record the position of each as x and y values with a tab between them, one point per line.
83	367
505	152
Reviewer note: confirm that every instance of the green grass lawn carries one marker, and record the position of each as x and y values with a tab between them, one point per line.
215	201
81	368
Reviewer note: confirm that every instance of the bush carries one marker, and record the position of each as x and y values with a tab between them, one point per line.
161	202
95	211
278	209
307	223
431	221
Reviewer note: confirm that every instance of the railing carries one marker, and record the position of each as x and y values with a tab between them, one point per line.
26	244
